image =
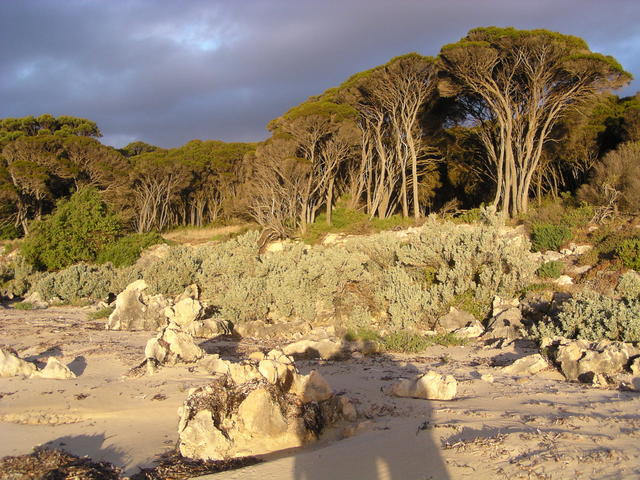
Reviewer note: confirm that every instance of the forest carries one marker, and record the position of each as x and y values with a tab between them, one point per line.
502	117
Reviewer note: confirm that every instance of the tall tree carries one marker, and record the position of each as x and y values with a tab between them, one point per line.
516	85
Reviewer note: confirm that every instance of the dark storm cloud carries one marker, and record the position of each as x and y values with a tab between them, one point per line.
169	71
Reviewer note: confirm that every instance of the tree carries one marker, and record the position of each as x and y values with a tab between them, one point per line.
516	85
78	229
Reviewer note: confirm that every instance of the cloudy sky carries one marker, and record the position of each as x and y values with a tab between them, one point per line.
168	71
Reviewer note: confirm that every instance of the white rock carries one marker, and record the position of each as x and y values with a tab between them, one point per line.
13	366
472	331
430	386
55	369
312	387
529	365
563	280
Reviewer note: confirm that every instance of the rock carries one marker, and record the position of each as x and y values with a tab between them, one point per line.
263	414
506	321
563	281
13	366
325	349
55	369
312	387
137	311
200	438
172	346
454	320
184	312
584	361
582	269
430	386
487	377
474	330
529	365
552	256
36	300
581	249
635	366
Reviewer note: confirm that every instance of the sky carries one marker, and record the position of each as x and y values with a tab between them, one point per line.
169	71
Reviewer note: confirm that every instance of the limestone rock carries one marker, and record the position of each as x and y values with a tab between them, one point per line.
13	366
474	330
430	386
137	311
454	320
312	387
635	366
506	320
325	349
249	410
563	280
55	369
529	365
584	361
184	312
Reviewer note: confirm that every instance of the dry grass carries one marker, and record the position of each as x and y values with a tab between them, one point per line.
198	235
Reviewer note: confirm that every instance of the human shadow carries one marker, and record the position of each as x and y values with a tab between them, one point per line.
398	448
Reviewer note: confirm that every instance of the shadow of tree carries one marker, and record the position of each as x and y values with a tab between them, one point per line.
92	446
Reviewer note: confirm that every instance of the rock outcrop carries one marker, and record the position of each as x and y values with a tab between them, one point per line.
454	320
11	365
137	311
591	362
430	386
257	407
529	365
506	320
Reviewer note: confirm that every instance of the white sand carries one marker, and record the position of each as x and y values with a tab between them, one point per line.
534	427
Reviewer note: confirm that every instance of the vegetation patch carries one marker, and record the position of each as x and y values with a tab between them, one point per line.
552	269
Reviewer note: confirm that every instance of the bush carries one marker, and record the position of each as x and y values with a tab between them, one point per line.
409	342
8	231
77	230
591	316
547	236
551	269
23	306
101	314
126	250
79	282
617	177
628	251
629	285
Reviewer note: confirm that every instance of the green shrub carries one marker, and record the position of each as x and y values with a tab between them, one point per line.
551	269
591	316
79	282
547	236
101	314
126	250
410	342
8	231
468	216
172	274
363	334
629	285
76	231
628	251
23	306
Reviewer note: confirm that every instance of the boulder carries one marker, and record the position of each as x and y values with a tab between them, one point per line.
506	320
563	281
137	311
254	409
589	362
55	369
474	330
325	349
635	366
529	365
430	386
13	366
172	346
454	320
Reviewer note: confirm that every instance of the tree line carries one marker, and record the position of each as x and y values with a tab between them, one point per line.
501	116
